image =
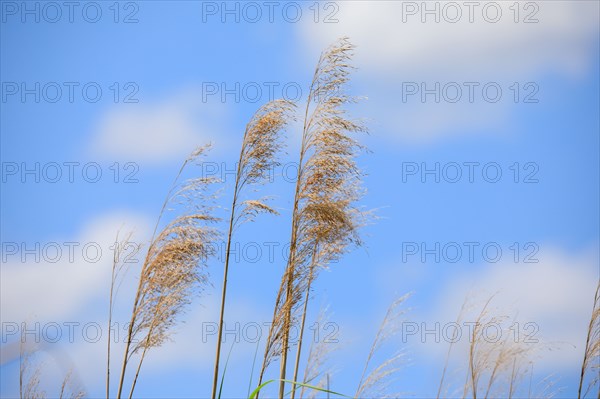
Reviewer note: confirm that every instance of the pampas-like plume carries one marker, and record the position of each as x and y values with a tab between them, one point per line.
257	158
591	356
324	219
30	378
68	387
452	342
376	382
319	351
495	361
172	269
118	270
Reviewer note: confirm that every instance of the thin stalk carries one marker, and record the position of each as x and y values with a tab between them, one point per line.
299	350
110	308
253	365
136	302
108	347
223	294
138	292
306	298
458	319
21	371
471	363
225	370
146	346
225	272
264	365
473	373
129	338
62	389
284	349
290	266
512	379
493	376
137	372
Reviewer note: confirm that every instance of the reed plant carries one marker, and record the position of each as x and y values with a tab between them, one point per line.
260	145
326	219
173	269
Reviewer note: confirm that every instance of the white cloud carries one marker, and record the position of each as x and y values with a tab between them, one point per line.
556	294
560	39
395	46
61	296
160	131
59	287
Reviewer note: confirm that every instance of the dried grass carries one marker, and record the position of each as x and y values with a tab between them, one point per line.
324	219
30	378
315	372
172	271
376	382
498	364
260	145
325	225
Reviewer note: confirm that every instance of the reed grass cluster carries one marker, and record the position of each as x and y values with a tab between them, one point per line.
173	270
376	382
326	219
496	367
260	145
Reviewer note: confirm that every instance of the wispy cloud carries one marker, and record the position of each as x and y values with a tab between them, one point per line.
159	131
461	44
68	274
554	295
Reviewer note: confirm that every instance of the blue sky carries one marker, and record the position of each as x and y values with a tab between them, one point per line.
168	58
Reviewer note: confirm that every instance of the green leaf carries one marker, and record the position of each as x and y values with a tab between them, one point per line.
253	364
261	386
225	370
